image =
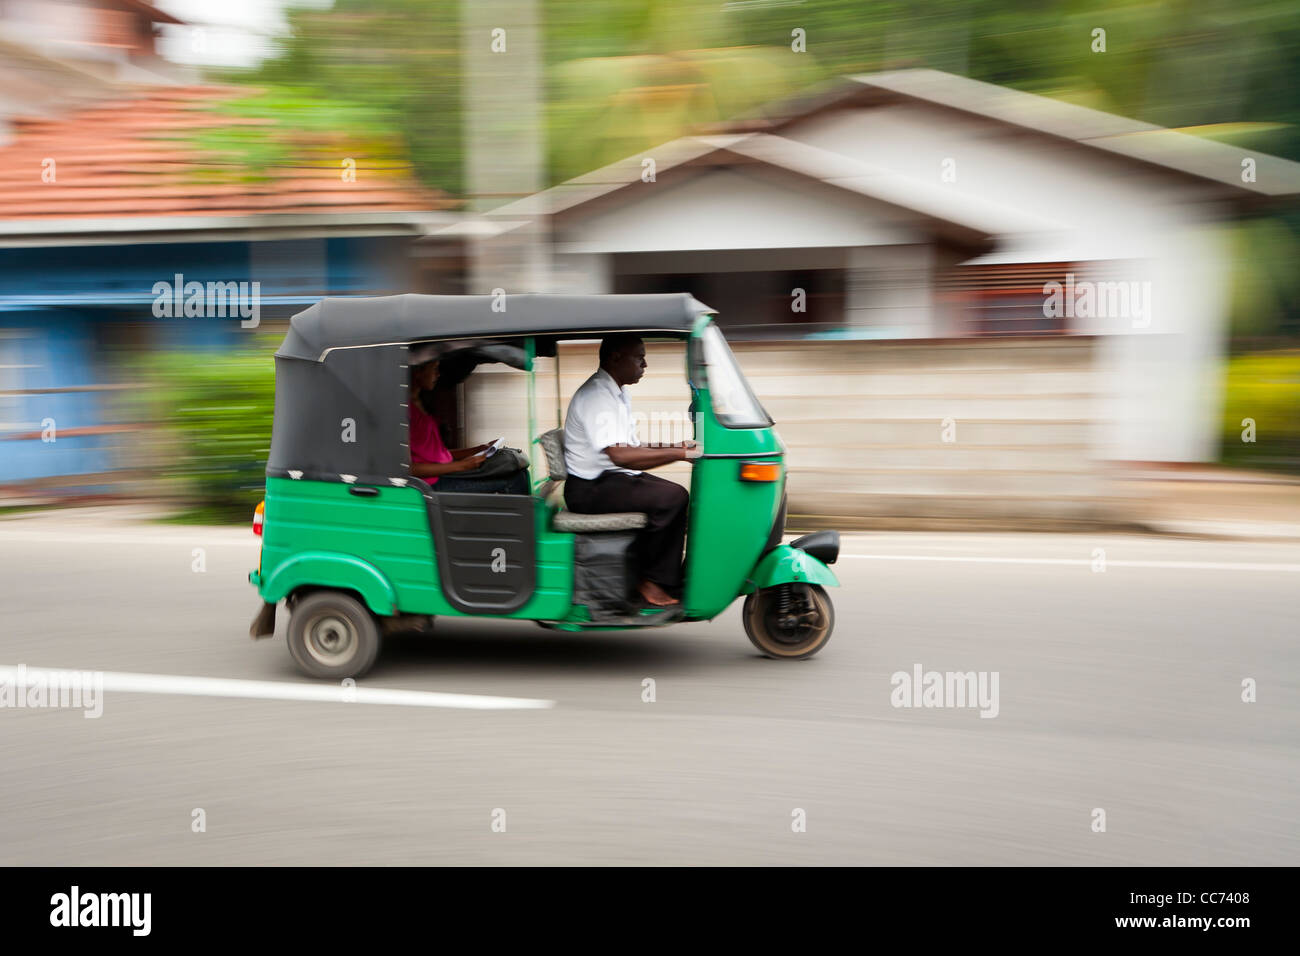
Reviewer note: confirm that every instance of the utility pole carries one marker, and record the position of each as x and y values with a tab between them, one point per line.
502	48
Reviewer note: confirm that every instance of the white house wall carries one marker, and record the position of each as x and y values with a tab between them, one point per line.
1157	395
1159	372
732	209
1162	387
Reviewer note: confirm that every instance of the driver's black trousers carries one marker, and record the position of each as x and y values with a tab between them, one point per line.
659	544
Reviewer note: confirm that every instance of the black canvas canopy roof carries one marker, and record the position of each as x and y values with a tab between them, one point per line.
342	381
334	323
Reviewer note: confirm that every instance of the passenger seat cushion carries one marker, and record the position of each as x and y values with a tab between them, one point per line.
612	521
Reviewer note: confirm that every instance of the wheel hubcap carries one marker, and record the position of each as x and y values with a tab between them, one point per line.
795	626
331	639
798	622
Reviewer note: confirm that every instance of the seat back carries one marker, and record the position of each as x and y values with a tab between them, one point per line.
552	443
551	489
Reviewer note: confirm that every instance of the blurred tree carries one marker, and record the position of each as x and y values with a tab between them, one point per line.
637	71
626	75
1265	282
294	126
650	73
384	73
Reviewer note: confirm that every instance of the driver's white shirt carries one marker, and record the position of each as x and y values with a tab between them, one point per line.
600	415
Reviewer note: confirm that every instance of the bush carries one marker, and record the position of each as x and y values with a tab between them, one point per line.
1265	388
216	411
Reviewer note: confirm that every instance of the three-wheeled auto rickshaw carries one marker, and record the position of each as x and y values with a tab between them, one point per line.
352	542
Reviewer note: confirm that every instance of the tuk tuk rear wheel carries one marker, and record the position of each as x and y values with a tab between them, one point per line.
789	621
333	635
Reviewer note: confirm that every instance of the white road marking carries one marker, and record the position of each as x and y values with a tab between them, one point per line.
207	538
1085	562
229	537
271	690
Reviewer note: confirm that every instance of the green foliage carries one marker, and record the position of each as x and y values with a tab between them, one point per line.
1265	283
216	410
623	76
1263	387
384	71
399	61
291	126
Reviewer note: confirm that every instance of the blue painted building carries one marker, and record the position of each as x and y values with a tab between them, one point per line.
72	316
106	193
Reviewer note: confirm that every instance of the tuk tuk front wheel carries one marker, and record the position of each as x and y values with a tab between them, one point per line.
789	621
333	635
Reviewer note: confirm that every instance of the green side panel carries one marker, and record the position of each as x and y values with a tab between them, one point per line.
730	519
389	532
786	565
553	598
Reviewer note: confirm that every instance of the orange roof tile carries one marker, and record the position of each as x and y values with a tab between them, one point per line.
135	157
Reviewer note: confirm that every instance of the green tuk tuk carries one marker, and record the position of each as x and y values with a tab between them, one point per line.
358	547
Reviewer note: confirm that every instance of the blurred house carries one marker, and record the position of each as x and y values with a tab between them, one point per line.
57	48
1049	277
106	192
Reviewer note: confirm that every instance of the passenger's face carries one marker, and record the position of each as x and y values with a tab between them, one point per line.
629	364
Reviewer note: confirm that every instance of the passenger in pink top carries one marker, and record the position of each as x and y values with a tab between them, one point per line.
426	440
439	465
430	457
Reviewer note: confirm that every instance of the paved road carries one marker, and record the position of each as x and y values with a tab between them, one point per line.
1118	690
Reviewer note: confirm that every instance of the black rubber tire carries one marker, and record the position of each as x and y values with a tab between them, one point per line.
759	626
332	635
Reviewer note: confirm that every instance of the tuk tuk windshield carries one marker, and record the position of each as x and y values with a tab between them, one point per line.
733	403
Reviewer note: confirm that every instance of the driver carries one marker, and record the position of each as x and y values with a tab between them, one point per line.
606	463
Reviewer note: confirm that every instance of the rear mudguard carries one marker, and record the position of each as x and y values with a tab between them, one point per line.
787	565
326	569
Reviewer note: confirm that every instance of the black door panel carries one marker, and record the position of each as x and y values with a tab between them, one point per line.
486	550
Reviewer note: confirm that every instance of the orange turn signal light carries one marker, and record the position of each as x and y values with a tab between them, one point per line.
760	471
